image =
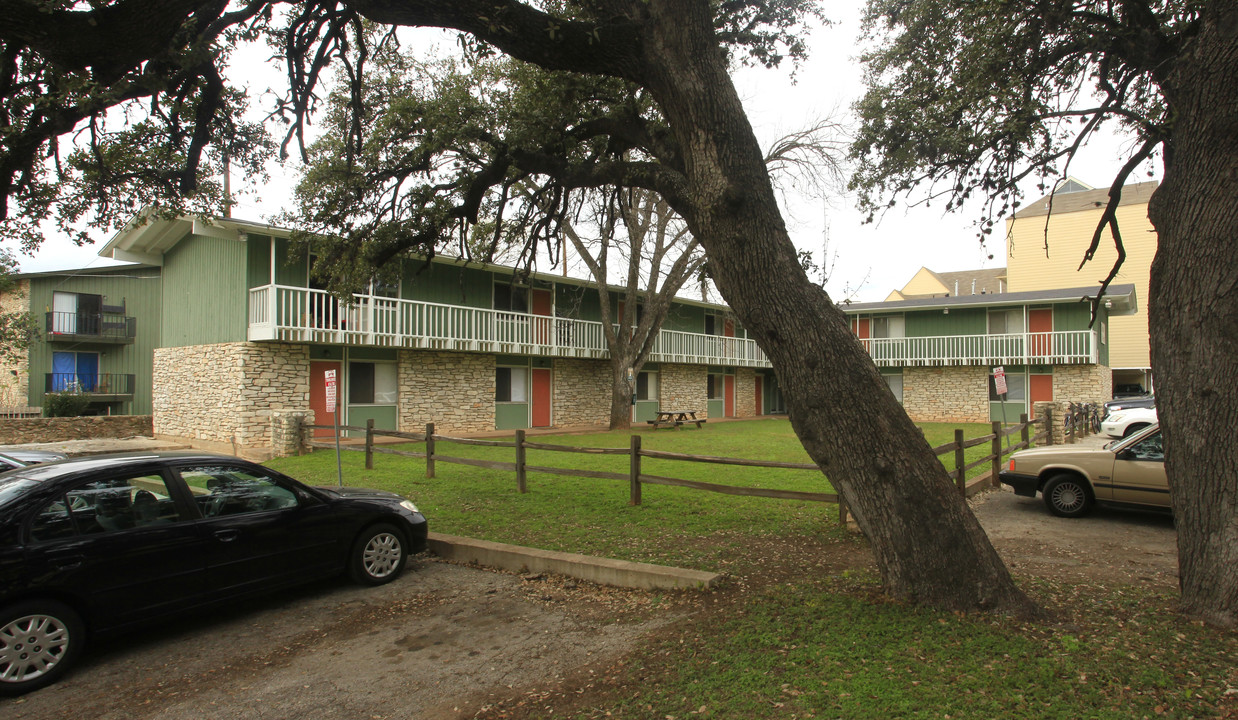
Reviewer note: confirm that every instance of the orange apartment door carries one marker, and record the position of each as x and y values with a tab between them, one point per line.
1041	321
539	398
758	410
318	393
1040	390
728	396
542	302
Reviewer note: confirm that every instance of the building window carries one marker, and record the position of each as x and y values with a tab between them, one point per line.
1016	387
76	313
714	386
895	383
888	327
511	384
511	298
647	386
371	383
1005	322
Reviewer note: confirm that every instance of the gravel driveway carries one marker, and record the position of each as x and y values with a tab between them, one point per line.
435	643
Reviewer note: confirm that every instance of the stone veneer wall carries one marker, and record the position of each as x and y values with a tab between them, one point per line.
40	430
226	392
15	372
947	394
685	387
581	392
1082	383
455	391
745	392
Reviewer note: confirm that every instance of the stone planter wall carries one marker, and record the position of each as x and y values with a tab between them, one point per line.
41	430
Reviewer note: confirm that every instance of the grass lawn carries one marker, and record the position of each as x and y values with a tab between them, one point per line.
676	526
803	630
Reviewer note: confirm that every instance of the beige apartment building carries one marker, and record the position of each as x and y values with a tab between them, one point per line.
1045	246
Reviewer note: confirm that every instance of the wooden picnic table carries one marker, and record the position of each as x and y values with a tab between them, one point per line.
675	419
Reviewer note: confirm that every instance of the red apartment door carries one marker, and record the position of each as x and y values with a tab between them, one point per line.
760	407
543	304
1041	321
318	394
728	396
539	412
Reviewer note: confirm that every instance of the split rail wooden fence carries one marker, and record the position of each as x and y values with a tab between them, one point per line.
636	478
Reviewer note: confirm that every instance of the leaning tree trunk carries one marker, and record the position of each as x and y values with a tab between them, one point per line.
929	547
1193	315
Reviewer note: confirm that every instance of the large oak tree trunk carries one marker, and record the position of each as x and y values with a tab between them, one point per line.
620	398
929	547
1193	315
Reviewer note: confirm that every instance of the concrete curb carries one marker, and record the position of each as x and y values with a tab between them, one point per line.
605	571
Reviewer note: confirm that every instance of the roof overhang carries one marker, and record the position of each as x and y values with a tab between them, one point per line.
148	234
1118	300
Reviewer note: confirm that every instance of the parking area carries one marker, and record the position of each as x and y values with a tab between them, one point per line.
436	643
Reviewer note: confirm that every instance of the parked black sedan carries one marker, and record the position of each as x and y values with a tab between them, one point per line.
101	544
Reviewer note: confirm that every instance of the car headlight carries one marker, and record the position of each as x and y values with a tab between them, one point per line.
409	506
1115	417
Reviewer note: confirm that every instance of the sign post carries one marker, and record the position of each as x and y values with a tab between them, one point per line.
999	384
334	408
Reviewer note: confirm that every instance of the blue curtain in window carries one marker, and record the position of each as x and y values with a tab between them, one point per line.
64	367
87	371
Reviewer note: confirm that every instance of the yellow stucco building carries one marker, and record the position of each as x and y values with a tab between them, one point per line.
1046	245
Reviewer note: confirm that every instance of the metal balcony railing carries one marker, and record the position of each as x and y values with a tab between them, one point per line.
101	384
90	327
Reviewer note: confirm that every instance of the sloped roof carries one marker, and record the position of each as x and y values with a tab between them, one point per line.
1069	202
984	281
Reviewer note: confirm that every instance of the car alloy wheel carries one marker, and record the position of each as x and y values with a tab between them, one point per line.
37	643
1067	496
378	555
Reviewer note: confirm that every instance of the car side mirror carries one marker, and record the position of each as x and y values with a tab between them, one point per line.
1126	454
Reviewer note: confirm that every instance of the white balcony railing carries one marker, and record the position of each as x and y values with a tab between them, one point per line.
1042	348
294	314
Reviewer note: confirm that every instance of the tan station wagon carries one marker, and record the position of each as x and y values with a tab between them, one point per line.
1072	479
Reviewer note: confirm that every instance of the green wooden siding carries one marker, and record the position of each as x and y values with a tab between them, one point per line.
511	415
934	323
139	290
645	410
384	417
685	318
448	284
205	298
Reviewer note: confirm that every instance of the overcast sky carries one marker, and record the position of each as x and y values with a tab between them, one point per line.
867	261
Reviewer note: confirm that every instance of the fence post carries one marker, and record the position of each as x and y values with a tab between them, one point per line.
1025	433
997	455
960	475
429	450
842	508
634	472
1048	426
520	477
369	444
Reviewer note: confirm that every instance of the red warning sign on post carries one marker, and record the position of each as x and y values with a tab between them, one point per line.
331	390
999	379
